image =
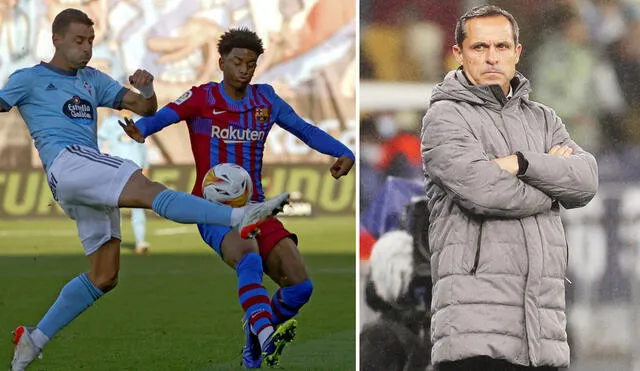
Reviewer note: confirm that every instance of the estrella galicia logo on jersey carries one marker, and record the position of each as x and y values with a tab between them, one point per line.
262	114
232	134
78	108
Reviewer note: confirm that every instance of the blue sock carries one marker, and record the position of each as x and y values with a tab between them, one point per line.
254	297
138	222
287	301
76	296
185	208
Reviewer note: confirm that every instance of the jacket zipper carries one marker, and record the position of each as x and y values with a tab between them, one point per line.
476	260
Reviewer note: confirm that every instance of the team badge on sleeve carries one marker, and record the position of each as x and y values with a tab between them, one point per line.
184	97
262	114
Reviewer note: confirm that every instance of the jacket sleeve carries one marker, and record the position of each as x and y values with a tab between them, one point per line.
455	160
572	180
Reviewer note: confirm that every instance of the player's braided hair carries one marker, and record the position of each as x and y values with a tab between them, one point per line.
242	38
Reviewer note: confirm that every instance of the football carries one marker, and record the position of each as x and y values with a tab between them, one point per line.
228	184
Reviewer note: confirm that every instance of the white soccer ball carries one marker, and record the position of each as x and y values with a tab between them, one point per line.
228	184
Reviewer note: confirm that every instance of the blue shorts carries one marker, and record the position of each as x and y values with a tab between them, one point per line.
213	234
272	231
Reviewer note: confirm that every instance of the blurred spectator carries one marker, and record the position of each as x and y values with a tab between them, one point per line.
405	41
400	151
371	178
563	75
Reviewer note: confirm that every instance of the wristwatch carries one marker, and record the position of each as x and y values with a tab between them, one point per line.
523	164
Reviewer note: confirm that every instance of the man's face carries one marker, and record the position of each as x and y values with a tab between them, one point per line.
75	45
238	67
488	54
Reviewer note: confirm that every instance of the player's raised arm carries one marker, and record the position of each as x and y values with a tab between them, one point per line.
315	138
145	103
183	108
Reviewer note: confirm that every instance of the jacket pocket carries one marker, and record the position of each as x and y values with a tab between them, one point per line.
476	259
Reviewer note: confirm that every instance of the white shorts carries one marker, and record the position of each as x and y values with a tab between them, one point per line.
87	184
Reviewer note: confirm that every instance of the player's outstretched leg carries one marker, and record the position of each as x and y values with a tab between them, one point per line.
141	192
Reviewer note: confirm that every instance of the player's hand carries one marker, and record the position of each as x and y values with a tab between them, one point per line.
132	130
141	79
341	167
562	151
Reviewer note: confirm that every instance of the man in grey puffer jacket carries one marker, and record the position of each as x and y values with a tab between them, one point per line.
498	167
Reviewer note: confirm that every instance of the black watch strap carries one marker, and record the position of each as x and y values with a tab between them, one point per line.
523	164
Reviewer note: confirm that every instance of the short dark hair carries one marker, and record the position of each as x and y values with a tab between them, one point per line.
242	38
66	17
481	12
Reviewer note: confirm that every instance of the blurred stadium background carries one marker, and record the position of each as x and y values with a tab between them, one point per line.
311	61
583	58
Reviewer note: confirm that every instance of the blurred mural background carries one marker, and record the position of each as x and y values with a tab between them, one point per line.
583	59
310	59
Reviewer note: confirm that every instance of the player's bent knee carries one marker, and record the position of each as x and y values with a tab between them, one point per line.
300	293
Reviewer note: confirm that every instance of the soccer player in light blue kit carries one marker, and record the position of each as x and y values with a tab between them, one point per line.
119	144
58	101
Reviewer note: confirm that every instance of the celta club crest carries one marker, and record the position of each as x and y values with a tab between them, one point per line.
88	87
262	114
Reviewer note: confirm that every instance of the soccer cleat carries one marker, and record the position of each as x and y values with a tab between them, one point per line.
251	352
25	351
142	248
256	214
274	346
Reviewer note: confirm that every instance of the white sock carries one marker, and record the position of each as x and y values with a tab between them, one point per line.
39	338
237	213
264	335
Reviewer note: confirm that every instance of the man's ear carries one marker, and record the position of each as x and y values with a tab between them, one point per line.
457	53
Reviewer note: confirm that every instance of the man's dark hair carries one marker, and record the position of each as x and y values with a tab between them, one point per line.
66	17
242	38
481	12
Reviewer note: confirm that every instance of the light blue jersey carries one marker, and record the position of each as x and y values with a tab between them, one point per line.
59	106
119	144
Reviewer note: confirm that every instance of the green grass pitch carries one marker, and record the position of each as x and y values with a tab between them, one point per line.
177	308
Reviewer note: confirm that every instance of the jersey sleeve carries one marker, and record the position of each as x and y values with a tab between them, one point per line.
311	135
109	92
189	104
16	89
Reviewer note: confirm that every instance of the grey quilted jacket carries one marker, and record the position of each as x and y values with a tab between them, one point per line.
498	249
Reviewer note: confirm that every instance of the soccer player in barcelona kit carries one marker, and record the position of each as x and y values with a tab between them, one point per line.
229	122
58	102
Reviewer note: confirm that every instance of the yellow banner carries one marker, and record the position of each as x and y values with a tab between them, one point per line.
26	194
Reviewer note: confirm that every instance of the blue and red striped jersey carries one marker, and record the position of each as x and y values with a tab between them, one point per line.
222	129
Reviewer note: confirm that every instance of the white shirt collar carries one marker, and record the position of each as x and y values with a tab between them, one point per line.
510	92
